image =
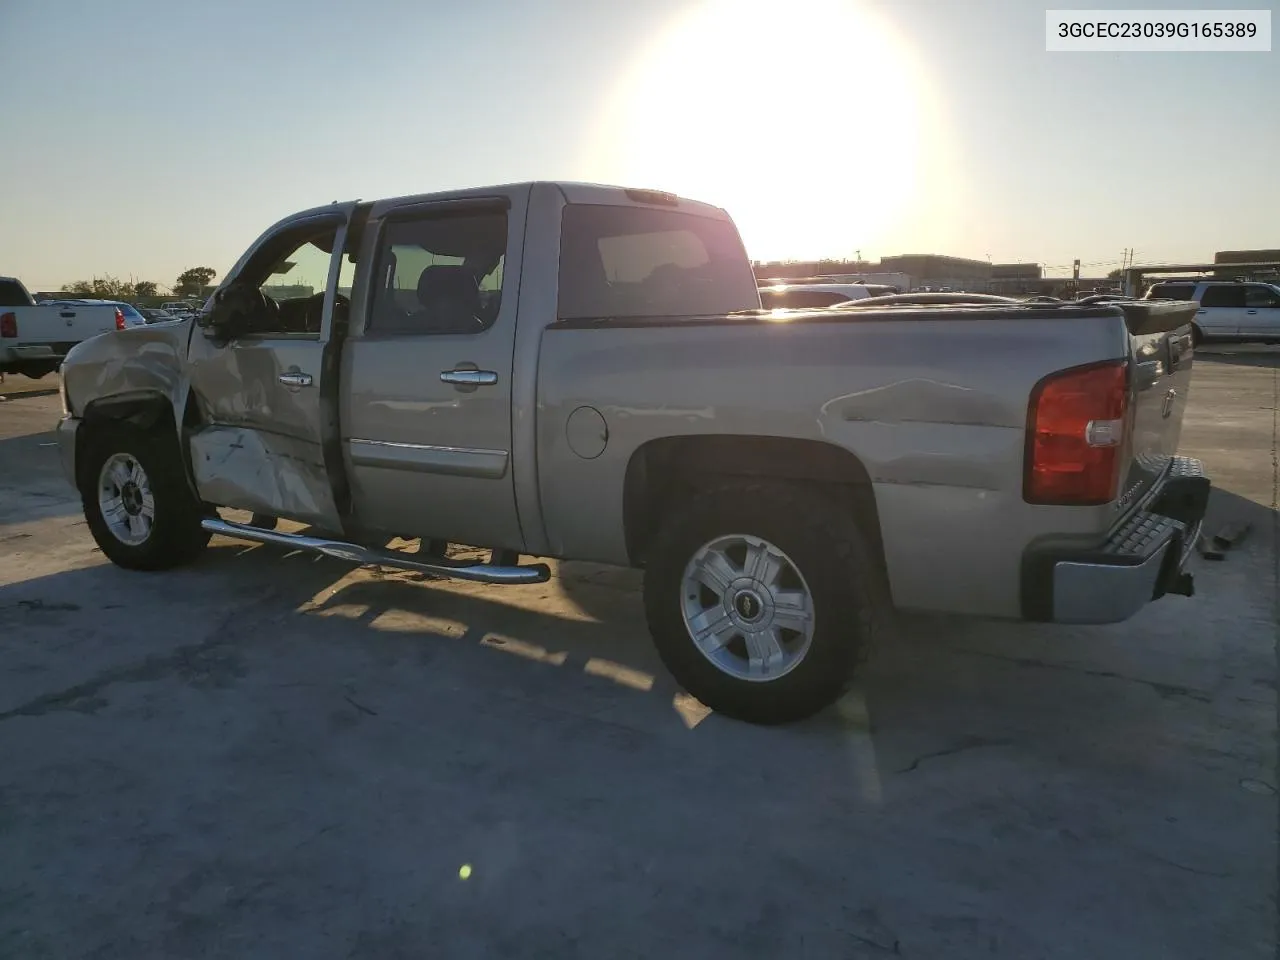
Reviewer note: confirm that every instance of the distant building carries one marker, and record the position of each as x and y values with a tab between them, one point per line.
1227	257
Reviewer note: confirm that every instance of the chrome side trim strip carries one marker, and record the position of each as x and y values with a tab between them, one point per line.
428	458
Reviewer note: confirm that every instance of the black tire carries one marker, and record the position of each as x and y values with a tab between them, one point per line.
264	521
176	536
823	543
1197	336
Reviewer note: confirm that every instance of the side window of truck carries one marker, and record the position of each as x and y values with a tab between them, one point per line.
439	274
1223	296
1261	296
293	271
1173	291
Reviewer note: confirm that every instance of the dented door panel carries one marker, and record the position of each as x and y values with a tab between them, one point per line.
262	448
266	413
263	472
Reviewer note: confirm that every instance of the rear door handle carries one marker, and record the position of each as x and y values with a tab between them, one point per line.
469	378
1251	312
66	313
296	379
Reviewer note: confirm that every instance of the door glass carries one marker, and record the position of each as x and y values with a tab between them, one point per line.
439	275
1260	296
1224	296
292	274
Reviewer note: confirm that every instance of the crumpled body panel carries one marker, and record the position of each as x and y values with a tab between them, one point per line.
264	472
132	362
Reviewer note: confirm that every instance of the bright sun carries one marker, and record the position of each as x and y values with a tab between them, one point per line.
803	119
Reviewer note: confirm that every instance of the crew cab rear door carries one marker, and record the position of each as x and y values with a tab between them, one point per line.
1261	317
266	439
426	391
1221	310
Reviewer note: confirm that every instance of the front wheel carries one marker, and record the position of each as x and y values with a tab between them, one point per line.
1197	336
136	501
761	600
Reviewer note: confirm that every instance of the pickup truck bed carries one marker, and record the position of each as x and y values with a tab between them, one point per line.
576	371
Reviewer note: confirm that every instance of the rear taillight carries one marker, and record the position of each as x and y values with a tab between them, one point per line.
119	319
8	325
1076	426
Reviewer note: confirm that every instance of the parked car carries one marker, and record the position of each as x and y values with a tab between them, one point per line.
182	309
1229	310
586	372
156	315
35	337
802	296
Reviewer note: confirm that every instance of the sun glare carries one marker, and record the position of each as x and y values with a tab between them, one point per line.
805	120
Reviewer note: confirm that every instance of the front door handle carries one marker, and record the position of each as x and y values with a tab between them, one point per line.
1251	312
66	313
296	379
469	378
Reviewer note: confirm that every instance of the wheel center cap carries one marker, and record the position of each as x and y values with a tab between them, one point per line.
748	605
131	496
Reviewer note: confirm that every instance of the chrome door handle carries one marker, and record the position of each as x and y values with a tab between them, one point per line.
296	379
469	378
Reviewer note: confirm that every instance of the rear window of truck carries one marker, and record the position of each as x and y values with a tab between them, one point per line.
12	295
1172	291
624	261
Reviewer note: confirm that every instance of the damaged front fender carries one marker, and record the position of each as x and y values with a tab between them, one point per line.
137	375
128	368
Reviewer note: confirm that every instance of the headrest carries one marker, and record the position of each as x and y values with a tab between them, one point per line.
448	282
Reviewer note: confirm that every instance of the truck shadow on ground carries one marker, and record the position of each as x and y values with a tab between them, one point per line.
936	685
931	676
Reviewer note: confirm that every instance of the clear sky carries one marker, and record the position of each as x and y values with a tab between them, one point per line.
141	137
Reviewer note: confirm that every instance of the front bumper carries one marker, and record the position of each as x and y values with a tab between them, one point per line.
1142	559
65	434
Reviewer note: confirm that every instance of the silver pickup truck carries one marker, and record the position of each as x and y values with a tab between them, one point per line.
560	370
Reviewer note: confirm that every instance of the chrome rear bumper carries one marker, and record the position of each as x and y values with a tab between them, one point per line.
1142	560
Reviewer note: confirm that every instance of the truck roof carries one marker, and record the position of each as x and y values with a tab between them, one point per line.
573	192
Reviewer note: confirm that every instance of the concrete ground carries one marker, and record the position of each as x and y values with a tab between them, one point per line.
271	755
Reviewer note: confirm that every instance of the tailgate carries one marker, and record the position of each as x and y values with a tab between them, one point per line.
1160	348
66	324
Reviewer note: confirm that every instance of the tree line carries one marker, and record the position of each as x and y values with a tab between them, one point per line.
189	283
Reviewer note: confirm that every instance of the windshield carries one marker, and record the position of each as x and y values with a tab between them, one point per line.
624	261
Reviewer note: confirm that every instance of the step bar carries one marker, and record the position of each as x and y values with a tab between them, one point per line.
369	556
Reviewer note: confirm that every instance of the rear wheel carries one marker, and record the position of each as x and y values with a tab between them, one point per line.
761	600
1197	337
136	500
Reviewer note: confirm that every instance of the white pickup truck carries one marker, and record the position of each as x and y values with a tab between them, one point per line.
34	337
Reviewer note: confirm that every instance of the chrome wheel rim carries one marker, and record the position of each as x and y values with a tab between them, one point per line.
747	607
125	499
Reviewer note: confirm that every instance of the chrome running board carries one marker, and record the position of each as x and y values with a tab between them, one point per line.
369	556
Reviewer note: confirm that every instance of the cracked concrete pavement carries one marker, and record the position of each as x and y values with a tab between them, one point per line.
269	754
